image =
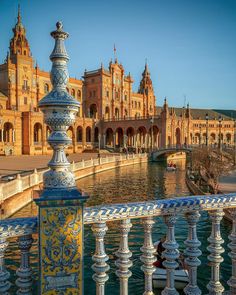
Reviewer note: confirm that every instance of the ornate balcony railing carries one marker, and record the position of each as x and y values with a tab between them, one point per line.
100	216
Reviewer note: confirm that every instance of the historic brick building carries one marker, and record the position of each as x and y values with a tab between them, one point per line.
111	114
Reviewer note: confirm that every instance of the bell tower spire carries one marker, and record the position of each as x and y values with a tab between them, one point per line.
19	44
19	15
146	89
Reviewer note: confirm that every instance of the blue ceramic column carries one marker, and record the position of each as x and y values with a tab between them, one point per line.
60	204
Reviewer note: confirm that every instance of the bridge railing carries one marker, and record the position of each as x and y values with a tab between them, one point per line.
123	214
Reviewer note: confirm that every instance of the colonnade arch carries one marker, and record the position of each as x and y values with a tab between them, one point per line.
119	137
38	133
8	132
88	134
79	134
109	137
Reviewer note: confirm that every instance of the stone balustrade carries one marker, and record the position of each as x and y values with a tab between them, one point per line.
169	210
22	186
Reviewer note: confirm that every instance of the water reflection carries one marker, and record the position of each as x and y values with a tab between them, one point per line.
129	184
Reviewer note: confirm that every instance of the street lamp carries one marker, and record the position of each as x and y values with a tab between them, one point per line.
99	143
234	142
152	121
207	119
200	134
220	120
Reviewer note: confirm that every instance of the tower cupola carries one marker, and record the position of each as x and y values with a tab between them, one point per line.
19	44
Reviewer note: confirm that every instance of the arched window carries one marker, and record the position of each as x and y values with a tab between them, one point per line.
73	92
48	131
8	132
37	133
88	134
117	113
46	88
107	113
93	110
79	94
79	134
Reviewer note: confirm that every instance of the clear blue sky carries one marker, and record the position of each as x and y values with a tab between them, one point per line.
190	45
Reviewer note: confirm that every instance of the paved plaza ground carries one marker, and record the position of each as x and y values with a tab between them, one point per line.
19	164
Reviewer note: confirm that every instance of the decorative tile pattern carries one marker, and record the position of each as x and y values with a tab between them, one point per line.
61	247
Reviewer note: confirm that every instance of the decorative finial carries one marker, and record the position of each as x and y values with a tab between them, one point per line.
115	57
19	16
60	111
59	26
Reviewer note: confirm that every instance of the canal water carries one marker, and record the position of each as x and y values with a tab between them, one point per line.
141	182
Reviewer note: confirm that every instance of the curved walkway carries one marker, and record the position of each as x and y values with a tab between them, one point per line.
18	164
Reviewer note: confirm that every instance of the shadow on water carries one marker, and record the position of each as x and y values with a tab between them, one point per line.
132	184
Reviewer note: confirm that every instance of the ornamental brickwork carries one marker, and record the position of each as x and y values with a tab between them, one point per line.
111	115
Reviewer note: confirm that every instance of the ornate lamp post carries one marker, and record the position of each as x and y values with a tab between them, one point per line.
200	134
99	142
61	203
220	121
234	142
207	121
152	121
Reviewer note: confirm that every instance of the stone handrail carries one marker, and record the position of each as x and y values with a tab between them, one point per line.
169	209
21	183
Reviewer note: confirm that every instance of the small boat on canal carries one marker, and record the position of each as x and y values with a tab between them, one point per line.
159	277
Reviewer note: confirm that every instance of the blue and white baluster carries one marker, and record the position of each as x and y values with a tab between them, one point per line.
215	249
123	263
171	253
4	274
100	267
147	257
24	273
232	254
192	252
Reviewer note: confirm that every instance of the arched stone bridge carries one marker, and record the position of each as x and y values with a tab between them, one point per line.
169	150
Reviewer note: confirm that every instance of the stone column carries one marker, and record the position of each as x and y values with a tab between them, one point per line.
24	273
100	257
114	141
232	254
4	274
147	257
123	262
60	204
192	252
104	140
170	254
215	287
